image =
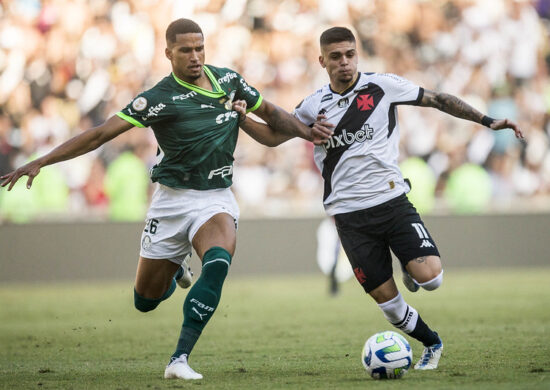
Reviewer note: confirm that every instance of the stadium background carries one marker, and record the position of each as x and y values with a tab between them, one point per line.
67	65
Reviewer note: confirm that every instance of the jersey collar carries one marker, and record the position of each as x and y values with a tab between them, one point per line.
218	92
349	88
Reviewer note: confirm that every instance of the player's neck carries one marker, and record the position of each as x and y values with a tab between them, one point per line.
341	87
203	81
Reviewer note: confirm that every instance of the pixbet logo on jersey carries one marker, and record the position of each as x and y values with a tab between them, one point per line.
348	138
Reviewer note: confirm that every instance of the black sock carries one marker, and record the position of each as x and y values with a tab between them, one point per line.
424	334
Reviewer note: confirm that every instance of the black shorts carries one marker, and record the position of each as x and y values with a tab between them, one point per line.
368	235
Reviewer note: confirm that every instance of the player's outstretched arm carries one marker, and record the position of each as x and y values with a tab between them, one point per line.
268	136
283	122
74	147
260	132
459	108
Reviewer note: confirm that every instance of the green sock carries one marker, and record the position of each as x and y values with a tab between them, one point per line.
179	273
147	304
203	298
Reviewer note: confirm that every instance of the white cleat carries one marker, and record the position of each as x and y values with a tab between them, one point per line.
430	357
186	278
179	369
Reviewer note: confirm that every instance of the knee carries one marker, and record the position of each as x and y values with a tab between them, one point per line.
433	283
145	304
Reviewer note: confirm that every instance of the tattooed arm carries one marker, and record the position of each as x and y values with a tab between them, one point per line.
459	108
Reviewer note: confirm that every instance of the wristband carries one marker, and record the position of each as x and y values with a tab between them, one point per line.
487	121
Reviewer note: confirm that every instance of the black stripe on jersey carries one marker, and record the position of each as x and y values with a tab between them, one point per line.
354	118
391	112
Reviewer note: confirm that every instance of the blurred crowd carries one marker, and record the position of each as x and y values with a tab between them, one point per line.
67	65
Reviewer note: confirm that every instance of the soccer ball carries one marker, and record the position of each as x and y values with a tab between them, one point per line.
387	355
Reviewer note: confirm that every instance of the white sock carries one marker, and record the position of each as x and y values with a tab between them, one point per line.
434	283
399	314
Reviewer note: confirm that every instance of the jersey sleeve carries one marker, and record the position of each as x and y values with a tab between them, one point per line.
305	112
249	94
146	110
401	90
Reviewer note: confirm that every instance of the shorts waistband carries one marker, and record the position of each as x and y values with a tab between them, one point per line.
380	206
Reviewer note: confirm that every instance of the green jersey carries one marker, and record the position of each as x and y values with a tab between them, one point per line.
196	129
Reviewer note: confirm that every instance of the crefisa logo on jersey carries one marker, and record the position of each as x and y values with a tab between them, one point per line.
154	111
227	78
347	137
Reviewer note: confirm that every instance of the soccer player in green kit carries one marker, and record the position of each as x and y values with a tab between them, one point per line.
191	114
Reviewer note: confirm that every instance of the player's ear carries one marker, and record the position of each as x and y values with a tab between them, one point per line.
168	53
322	61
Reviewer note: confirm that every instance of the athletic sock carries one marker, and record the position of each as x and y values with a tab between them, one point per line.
406	318
203	298
186	342
424	334
147	304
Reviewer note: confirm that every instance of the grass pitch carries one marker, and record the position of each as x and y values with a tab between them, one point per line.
275	333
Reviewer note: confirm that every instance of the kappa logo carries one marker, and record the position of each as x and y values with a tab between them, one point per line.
426	244
423	235
365	102
207	105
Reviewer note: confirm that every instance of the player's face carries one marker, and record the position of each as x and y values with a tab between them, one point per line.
187	56
340	60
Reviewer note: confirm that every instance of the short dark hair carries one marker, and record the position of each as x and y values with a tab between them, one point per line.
181	26
336	34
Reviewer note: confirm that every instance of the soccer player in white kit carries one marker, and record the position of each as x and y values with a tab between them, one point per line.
364	189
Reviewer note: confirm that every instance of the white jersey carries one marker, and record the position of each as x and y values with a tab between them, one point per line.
360	161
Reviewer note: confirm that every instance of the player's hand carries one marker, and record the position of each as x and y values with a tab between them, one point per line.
31	170
500	124
240	107
321	130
